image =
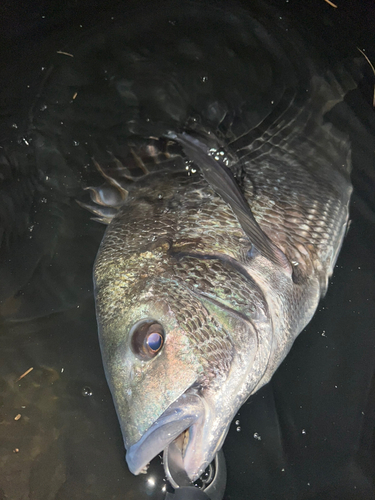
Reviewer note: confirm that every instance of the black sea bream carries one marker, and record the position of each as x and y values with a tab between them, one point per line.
226	212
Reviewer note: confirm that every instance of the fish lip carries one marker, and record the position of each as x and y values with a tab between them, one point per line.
182	414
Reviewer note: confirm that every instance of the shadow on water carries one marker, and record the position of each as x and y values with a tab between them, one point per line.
307	434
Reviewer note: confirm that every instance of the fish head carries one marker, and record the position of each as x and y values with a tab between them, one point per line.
179	358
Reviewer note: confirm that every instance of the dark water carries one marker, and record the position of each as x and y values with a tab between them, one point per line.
307	434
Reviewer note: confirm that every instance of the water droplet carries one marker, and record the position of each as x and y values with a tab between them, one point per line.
303	431
204	79
160	196
237	422
257	436
238	429
86	391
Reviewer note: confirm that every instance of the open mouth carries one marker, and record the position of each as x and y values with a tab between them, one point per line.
179	433
173	460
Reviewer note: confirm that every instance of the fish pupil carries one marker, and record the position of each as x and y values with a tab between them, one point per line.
154	341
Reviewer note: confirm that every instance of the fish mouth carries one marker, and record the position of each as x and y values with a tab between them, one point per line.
179	432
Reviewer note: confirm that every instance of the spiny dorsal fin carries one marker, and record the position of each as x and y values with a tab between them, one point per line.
223	182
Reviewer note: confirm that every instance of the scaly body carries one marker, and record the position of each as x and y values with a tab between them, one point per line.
213	262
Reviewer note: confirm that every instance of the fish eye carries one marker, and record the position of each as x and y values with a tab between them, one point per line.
147	339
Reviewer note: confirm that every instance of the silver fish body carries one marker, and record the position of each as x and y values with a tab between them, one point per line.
214	260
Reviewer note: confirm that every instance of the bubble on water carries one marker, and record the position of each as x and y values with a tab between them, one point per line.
257	436
86	391
237	422
303	431
238	429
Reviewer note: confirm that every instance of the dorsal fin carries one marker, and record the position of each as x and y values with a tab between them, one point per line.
225	185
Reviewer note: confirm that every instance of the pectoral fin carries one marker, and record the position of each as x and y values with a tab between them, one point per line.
221	179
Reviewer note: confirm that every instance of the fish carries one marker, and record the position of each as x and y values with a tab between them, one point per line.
224	224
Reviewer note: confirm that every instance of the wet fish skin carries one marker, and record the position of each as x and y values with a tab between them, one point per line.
176	253
183	250
154	279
